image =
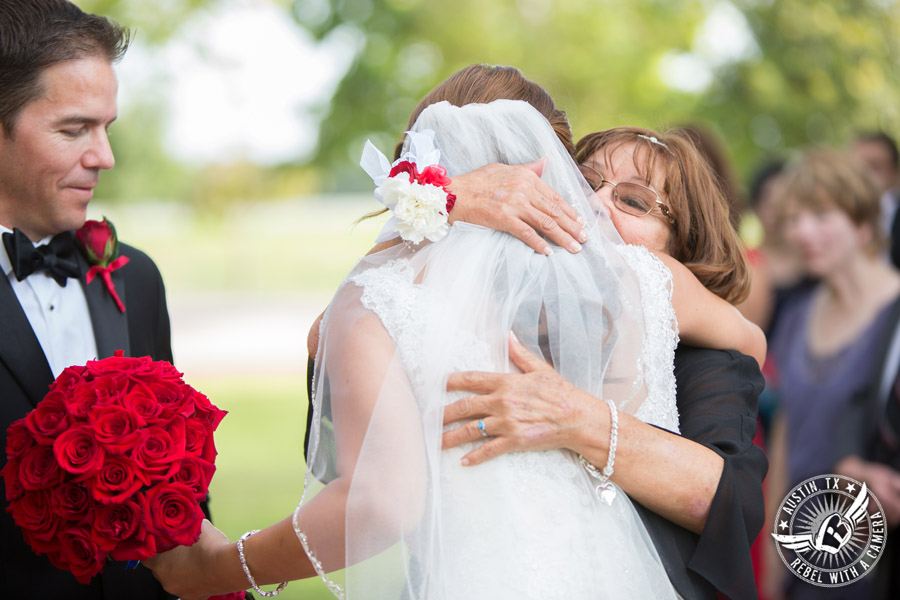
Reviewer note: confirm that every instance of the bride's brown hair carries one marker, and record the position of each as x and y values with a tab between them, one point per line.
703	238
480	84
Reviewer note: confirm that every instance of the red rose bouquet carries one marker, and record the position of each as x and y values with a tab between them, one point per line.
111	463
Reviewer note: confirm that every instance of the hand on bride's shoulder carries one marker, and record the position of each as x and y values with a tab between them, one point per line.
181	569
514	199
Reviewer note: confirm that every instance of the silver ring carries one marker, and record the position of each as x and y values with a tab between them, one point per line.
481	429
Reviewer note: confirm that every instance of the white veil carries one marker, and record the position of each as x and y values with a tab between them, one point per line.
401	514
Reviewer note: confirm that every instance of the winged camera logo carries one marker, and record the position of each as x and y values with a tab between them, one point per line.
830	530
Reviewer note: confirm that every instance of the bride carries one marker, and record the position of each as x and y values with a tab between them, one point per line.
381	499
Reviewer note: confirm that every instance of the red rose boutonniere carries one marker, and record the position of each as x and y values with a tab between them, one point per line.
101	246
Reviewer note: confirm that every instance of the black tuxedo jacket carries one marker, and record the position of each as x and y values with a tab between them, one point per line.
869	431
717	405
142	330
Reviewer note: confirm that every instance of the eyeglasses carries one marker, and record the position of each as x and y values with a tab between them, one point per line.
631	198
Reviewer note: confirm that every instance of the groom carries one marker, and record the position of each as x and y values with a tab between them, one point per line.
57	99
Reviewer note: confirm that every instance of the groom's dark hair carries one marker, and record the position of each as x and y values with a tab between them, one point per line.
36	34
485	83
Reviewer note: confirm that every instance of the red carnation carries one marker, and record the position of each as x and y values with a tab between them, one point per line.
434	175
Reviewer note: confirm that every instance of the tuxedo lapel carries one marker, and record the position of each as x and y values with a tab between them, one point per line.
20	349
110	325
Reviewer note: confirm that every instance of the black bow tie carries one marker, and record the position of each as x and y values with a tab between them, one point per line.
57	257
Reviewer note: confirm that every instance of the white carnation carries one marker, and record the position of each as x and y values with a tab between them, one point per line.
420	210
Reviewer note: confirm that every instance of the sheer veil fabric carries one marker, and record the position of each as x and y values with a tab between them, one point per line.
380	496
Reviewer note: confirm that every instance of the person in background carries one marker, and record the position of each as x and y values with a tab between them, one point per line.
827	338
879	152
57	100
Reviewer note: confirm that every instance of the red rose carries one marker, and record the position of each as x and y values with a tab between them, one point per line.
195	473
158	454
71	501
78	451
68	379
49	419
100	390
119	365
84	557
405	166
140	544
11	480
434	175
18	439
116	427
173	396
98	239
141	401
115	523
206	412
117	480
38	468
34	514
196	433
173	515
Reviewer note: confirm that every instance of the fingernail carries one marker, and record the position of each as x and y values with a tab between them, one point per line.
513	336
580	220
584	236
464	462
574	247
548	250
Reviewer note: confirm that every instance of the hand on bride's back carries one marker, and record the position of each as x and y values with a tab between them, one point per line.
535	410
181	570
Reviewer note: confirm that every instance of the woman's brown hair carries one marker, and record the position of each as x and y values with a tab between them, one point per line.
703	238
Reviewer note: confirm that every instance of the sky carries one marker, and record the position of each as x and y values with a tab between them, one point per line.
241	82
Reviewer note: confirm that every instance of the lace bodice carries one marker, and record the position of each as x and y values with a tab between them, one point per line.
660	337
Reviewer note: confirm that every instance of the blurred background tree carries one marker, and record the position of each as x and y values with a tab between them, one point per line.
767	76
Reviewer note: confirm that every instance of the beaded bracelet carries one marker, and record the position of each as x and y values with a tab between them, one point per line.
605	489
240	548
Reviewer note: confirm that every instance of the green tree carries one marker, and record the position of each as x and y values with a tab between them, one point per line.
809	71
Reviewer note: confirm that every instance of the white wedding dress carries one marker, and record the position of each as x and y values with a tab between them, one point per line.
416	523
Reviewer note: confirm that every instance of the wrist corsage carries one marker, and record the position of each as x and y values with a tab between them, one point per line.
413	188
101	247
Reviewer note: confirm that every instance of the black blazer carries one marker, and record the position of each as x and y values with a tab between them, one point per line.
717	407
871	432
142	330
717	404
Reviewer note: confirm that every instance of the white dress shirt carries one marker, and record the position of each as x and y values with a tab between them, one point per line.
59	316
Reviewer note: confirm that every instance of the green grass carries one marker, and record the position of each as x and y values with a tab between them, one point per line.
260	467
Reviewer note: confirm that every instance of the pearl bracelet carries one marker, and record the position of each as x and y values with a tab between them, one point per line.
605	489
240	548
